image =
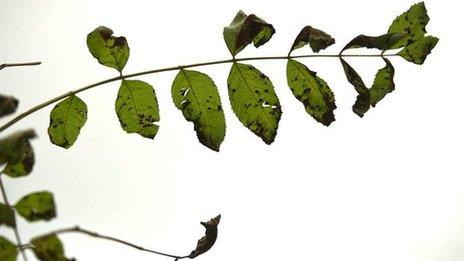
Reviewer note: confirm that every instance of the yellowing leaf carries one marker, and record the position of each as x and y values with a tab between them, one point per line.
109	50
8	251
12	147
37	206
419	50
412	23
24	166
49	248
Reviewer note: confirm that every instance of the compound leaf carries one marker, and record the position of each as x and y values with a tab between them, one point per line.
7	216
362	103
196	95
66	120
417	52
8	105
109	50
254	101
383	83
317	39
8	250
24	166
312	91
37	206
49	248
246	29
206	242
137	108
412	23
382	42
12	148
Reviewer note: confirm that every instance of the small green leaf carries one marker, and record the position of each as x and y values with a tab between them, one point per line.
382	42
7	216
137	108
13	146
254	101
206	242
8	251
109	50
8	105
49	248
37	206
66	120
24	166
362	103
196	95
383	83
317	39
246	29
312	91
411	22
418	51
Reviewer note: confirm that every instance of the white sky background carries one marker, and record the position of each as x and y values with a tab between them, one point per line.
385	187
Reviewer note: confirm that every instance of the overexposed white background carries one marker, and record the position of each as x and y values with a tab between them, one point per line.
385	187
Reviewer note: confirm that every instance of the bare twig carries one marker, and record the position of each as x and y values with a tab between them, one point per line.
18	64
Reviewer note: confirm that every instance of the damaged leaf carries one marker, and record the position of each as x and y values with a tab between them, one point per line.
24	166
12	147
8	105
137	108
383	83
317	39
412	23
418	51
7	216
37	206
362	103
382	42
254	101
8	250
312	91
246	29
205	243
109	50
66	120
196	95
49	248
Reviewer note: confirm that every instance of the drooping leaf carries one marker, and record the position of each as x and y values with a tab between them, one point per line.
137	108
246	29
7	216
49	248
206	242
254	101
8	251
12	147
312	91
196	95
411	22
37	206
362	103
8	105
66	120
109	50
382	42
24	166
383	83
417	52
317	39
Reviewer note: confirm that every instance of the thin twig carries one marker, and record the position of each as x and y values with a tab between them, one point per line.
15	228
173	68
18	64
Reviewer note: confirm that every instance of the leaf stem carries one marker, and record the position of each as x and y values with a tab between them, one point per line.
174	68
15	228
18	64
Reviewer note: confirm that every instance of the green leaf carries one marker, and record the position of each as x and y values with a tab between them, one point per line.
312	91
8	105
8	251
37	206
317	39
49	248
362	103
109	50
7	216
254	101
196	95
24	166
382	42
383	83
137	108
246	29
411	22
13	146
206	242
418	51
66	120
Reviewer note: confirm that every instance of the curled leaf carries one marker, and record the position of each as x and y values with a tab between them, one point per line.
7	216
8	105
362	103
246	29
418	51
412	23
49	248
8	250
382	42
12	147
383	83
24	166
206	242
37	206
317	39
109	50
